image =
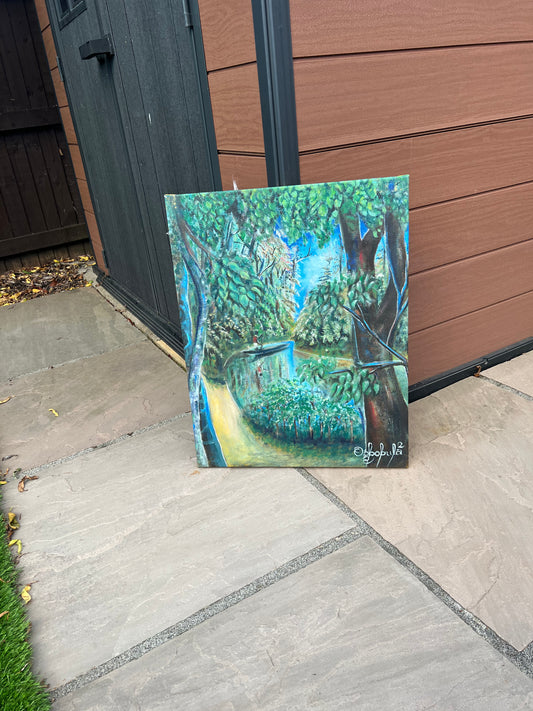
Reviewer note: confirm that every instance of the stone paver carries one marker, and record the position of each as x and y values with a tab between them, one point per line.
58	328
351	631
463	511
97	400
126	540
517	373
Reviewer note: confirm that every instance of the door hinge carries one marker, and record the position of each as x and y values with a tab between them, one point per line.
187	13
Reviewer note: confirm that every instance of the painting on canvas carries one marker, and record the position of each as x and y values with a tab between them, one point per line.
293	304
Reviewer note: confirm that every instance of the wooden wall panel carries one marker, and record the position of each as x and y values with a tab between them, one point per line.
42	13
50	47
462	340
455	230
77	162
229	46
442	166
85	195
246	171
440	91
237	109
456	289
61	94
68	125
349	26
96	241
228	33
344	100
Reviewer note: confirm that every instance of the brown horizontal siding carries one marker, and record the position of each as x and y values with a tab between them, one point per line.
77	162
455	230
229	43
453	290
344	100
50	47
439	91
42	14
237	109
96	240
244	171
453	343
85	195
442	166
59	87
349	26
228	33
66	118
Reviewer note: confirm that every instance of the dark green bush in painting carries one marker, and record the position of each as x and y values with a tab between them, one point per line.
295	411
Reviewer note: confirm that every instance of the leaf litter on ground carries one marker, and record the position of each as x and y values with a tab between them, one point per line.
32	282
22	482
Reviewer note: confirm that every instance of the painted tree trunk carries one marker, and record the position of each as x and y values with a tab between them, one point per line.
386	411
208	450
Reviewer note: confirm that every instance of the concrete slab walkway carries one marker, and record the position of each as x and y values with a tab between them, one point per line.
158	585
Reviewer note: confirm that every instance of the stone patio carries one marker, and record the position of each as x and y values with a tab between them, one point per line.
158	585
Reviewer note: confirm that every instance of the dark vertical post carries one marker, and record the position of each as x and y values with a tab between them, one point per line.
272	27
192	20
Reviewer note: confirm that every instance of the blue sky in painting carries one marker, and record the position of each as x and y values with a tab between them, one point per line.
310	269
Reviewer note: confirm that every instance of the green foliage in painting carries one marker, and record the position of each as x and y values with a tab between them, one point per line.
323	321
314	360
295	411
344	385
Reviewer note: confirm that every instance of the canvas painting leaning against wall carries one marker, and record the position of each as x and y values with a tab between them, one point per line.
293	305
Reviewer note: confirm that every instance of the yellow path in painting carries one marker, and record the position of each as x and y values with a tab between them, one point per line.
241	447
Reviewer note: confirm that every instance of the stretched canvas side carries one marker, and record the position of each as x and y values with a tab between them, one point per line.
294	304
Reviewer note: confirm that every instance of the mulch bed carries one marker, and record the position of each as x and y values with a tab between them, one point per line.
32	282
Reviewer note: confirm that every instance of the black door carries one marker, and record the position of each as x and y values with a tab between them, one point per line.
135	83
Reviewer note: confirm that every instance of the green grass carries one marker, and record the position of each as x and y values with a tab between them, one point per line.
19	689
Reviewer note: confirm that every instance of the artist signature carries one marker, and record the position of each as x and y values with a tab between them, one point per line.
370	454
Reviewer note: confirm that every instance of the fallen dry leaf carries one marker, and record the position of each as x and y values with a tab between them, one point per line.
3	482
23	481
16	542
25	594
6	399
51	409
12	521
58	275
5	612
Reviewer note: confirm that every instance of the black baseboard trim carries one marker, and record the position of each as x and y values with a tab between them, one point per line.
431	385
166	330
